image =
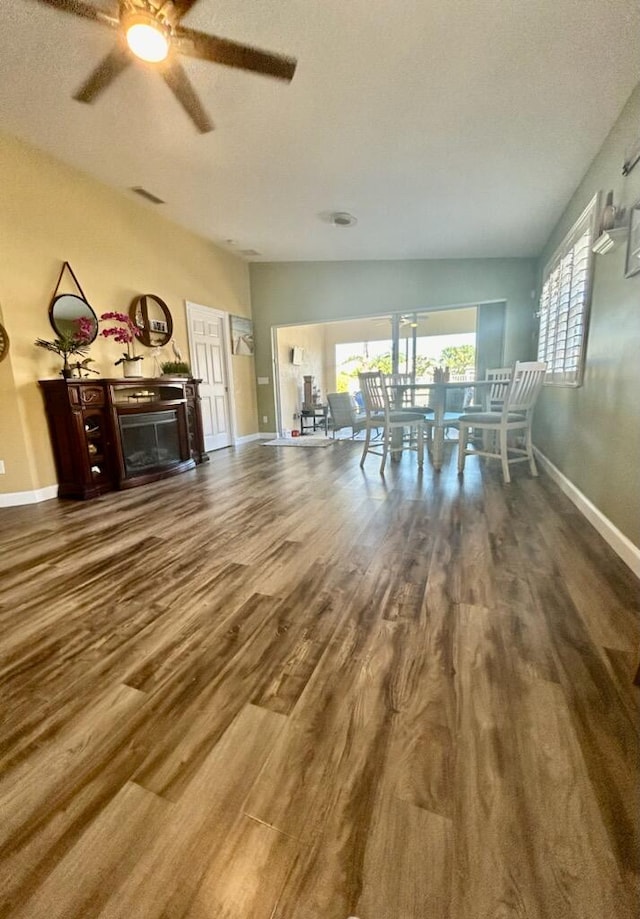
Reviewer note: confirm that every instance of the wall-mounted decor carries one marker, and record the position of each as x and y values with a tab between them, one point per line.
4	343
152	316
69	314
632	265
297	356
242	335
632	157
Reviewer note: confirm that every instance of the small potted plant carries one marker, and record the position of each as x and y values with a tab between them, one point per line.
175	369
69	343
125	334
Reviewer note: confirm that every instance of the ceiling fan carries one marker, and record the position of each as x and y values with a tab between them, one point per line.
410	319
150	30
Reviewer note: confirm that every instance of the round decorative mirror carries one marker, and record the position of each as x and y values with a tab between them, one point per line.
4	343
152	316
65	311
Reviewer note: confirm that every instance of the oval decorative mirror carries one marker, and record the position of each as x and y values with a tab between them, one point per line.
65	311
4	343
153	318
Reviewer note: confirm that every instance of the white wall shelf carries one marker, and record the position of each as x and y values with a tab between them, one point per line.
609	239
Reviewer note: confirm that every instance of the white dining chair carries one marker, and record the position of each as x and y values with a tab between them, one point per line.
494	399
408	426
515	415
499	378
402	398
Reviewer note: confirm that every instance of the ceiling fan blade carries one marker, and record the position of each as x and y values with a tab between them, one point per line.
85	10
104	74
231	54
180	85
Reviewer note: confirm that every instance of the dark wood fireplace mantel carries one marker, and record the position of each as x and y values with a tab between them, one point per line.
110	434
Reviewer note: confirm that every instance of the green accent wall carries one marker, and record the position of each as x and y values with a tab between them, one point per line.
592	433
297	292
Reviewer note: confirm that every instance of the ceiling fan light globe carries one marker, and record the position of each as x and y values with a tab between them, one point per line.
147	41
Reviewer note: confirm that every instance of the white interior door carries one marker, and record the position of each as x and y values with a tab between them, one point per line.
208	344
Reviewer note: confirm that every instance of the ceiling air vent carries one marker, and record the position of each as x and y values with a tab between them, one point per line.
146	194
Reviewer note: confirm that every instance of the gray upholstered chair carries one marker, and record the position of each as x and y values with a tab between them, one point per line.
344	414
515	415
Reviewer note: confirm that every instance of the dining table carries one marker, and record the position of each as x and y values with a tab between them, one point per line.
437	401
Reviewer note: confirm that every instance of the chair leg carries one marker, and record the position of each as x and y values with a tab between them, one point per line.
385	449
529	446
463	434
366	447
504	456
420	446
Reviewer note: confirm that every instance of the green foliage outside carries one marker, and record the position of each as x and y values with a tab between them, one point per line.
458	359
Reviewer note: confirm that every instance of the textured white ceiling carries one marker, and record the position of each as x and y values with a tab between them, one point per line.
455	129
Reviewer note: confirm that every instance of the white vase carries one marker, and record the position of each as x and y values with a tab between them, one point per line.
132	368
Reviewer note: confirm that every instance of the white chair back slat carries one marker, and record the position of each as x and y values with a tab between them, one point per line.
374	393
524	387
499	378
400	398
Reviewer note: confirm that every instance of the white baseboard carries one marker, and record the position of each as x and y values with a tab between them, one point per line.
621	544
247	438
17	498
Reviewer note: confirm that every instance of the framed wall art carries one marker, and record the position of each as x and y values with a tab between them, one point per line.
241	336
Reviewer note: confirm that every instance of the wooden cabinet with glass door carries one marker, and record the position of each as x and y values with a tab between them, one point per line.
81	437
111	434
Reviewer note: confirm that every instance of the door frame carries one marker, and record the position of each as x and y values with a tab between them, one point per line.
275	369
193	308
394	317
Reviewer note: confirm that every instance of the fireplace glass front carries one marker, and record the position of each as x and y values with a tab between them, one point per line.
150	440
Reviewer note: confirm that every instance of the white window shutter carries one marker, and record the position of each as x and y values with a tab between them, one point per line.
565	301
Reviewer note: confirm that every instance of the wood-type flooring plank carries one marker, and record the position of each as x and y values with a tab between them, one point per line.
103	857
246	874
281	686
329	875
177	859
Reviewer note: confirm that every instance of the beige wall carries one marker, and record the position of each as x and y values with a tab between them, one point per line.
118	248
311	339
290	292
592	433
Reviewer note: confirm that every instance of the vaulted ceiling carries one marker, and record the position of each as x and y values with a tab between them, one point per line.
448	129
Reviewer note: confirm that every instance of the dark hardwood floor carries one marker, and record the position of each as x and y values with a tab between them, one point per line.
277	687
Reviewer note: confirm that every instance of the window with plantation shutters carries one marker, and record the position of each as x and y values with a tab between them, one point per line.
565	301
